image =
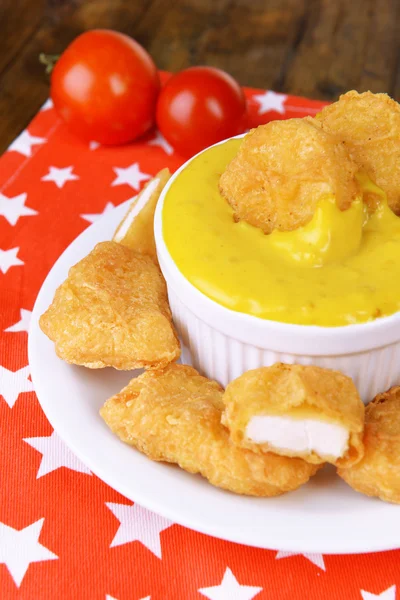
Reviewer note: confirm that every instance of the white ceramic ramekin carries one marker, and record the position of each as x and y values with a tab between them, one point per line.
222	343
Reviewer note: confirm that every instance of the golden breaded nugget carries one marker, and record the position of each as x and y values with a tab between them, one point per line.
369	126
296	410
378	473
174	415
112	311
283	169
137	228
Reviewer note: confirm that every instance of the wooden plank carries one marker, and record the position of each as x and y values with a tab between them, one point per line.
346	45
249	40
382	50
24	85
19	20
171	32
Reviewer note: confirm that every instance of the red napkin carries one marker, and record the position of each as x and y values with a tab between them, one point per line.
63	533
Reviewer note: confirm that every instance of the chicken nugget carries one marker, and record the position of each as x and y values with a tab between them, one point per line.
137	228
283	169
112	311
174	415
296	410
369	126
378	473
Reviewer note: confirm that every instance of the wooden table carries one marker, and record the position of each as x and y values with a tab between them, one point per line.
316	48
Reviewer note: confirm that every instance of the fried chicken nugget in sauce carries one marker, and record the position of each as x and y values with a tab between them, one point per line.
283	169
378	473
174	415
369	126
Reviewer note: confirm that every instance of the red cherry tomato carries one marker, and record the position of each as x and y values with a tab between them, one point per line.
199	107
105	87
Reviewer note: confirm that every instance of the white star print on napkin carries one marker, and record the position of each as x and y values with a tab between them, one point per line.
389	594
14	383
230	589
316	559
24	142
23	323
8	259
138	524
132	176
14	208
55	454
269	101
20	547
60	176
91	218
47	105
159	140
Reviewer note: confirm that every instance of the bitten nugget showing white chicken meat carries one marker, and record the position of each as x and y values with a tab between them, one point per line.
369	127
136	230
112	311
174	415
296	410
378	473
283	169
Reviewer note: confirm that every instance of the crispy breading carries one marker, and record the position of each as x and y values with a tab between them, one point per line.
136	230
300	392
369	126
378	473
174	415
112	311
283	169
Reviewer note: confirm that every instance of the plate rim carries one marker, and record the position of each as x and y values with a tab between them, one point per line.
153	504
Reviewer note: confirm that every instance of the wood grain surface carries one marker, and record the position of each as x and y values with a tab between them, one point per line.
315	48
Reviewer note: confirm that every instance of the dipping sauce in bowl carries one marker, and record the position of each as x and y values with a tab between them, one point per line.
342	268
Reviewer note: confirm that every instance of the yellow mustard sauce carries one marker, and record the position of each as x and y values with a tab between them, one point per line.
340	268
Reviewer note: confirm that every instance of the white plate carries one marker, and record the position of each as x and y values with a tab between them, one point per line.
324	516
